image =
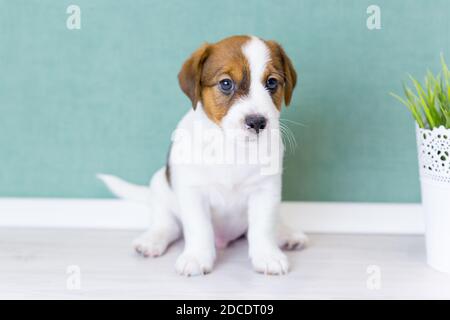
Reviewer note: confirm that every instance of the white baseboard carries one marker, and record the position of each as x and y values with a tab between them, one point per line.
320	217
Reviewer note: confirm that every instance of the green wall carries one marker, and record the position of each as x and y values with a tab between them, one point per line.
105	98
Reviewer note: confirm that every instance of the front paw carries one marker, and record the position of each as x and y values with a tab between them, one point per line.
194	264
292	240
271	262
152	243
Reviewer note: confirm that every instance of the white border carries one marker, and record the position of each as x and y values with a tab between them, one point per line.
320	217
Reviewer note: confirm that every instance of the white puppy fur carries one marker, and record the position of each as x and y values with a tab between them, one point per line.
215	203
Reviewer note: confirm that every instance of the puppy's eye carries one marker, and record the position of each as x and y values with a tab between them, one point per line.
226	86
272	84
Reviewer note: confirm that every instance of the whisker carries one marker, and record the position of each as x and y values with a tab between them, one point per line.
283	135
294	140
294	122
289	137
287	140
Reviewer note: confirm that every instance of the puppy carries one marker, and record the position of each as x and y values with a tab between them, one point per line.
222	179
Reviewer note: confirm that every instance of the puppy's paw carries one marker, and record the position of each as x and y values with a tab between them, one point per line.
271	262
152	244
292	240
194	264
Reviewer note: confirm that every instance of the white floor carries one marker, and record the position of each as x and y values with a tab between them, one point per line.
34	262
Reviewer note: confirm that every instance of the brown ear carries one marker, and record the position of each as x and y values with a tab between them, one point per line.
190	74
290	76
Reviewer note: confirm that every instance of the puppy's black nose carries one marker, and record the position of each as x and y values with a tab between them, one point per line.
255	122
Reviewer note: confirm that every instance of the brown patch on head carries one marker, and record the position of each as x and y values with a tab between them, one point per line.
200	75
281	68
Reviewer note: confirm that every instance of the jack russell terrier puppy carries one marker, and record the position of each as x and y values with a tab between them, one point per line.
220	181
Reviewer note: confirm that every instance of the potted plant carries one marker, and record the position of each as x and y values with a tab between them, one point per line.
430	106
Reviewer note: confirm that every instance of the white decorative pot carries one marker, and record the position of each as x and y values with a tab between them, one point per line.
433	148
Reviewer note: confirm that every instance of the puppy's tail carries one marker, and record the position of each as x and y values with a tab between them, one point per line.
126	190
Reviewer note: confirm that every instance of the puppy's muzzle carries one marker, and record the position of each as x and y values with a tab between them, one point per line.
255	122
